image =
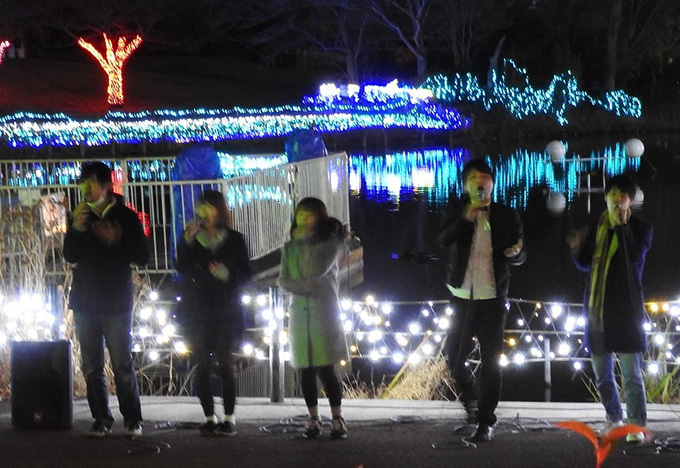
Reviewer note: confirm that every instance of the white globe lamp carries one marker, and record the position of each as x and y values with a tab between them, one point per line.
556	150
634	148
556	203
639	199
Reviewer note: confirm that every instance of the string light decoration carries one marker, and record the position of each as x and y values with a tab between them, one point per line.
397	334
4	45
376	107
113	63
392	335
526	100
66	173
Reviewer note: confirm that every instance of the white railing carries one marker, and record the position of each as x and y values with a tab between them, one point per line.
261	203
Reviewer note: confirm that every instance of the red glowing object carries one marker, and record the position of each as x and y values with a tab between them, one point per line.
602	446
113	63
3	45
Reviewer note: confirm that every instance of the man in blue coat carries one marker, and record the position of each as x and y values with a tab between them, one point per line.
612	249
104	237
483	239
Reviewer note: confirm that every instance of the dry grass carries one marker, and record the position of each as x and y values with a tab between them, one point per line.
354	388
22	266
23	238
429	380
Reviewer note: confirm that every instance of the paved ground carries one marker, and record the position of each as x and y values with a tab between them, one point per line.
383	433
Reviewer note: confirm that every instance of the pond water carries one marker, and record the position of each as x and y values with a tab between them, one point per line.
397	199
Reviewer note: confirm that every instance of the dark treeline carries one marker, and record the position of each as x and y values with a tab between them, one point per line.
608	44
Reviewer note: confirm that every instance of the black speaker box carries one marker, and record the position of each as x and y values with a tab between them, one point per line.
42	384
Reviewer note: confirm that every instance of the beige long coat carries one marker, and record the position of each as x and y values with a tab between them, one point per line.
309	272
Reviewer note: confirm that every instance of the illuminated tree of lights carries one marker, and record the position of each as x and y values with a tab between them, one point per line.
3	45
113	63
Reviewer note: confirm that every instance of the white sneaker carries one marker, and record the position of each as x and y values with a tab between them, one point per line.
133	429
338	428
635	438
313	429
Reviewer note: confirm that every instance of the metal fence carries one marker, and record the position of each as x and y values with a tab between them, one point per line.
262	203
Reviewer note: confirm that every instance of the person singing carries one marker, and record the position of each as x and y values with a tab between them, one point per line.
104	237
309	273
213	258
612	250
483	239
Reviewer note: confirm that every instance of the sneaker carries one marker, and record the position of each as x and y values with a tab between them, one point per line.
635	438
100	429
338	428
208	429
133	429
226	428
313	429
483	433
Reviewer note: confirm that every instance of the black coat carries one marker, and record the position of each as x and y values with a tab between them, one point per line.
623	309
102	279
206	300
455	235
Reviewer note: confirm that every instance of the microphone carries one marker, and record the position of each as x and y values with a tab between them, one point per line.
622	213
481	195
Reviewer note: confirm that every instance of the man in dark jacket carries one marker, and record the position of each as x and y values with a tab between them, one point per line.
482	239
613	249
103	239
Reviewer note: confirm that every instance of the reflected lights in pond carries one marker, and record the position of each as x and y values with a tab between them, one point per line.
396	177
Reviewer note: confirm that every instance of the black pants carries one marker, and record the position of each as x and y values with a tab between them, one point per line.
484	319
209	343
330	381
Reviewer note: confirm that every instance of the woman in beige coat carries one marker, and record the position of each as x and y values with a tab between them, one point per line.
309	272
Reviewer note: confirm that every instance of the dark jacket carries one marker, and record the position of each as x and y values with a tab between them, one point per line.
455	235
102	279
204	298
623	309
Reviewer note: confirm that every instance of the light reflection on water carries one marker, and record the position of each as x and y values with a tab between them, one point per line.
398	176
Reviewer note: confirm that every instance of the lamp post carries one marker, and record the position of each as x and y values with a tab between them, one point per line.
276	364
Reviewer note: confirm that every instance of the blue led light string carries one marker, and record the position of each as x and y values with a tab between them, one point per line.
371	106
562	93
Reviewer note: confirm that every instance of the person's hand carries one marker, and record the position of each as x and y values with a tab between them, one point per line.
191	230
110	233
475	207
619	216
219	270
299	232
472	211
575	240
346	231
514	250
80	215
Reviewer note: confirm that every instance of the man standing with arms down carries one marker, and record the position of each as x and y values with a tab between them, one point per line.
103	238
613	249
483	239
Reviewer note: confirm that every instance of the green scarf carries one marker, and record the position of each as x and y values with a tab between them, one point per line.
605	247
